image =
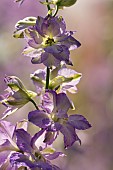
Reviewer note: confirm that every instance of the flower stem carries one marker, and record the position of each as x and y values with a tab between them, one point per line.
32	101
48	6
56	11
47	77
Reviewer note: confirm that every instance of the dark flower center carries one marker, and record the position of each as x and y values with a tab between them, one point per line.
49	41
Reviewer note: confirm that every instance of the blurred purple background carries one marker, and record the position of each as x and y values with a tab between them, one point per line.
92	19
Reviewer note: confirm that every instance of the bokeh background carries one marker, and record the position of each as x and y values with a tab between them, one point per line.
93	21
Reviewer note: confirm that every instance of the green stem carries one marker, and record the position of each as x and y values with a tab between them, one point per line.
48	6
56	11
47	77
32	101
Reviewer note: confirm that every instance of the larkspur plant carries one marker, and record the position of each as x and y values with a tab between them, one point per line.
48	42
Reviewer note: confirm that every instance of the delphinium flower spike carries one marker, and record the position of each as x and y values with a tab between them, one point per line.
48	43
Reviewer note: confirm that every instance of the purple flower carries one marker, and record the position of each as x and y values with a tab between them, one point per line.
16	97
54	118
62	79
19	149
31	156
49	42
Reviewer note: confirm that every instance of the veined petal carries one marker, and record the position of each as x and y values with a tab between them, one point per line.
49	60
39	118
20	160
50	137
50	27
62	105
36	137
7	131
54	49
23	140
70	135
53	155
71	43
79	122
32	52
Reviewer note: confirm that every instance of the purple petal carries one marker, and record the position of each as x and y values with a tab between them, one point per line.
71	43
35	137
50	27
54	155
38	25
35	37
62	105
50	137
79	122
64	54
38	78
7	146
39	118
45	165
6	130
48	99
23	140
19	160
70	135
49	60
54	49
3	158
7	166
33	44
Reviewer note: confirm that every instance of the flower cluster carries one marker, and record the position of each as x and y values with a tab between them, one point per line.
49	43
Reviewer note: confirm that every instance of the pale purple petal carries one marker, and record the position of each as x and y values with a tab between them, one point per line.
6	130
66	72
38	78
79	122
4	157
33	44
38	25
7	146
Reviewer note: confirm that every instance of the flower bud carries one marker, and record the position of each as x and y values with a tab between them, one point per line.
17	95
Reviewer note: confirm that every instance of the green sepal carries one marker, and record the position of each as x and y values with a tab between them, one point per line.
20	95
65	3
59	80
49	150
37	80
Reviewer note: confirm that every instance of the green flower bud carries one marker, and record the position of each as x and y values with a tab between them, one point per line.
17	95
